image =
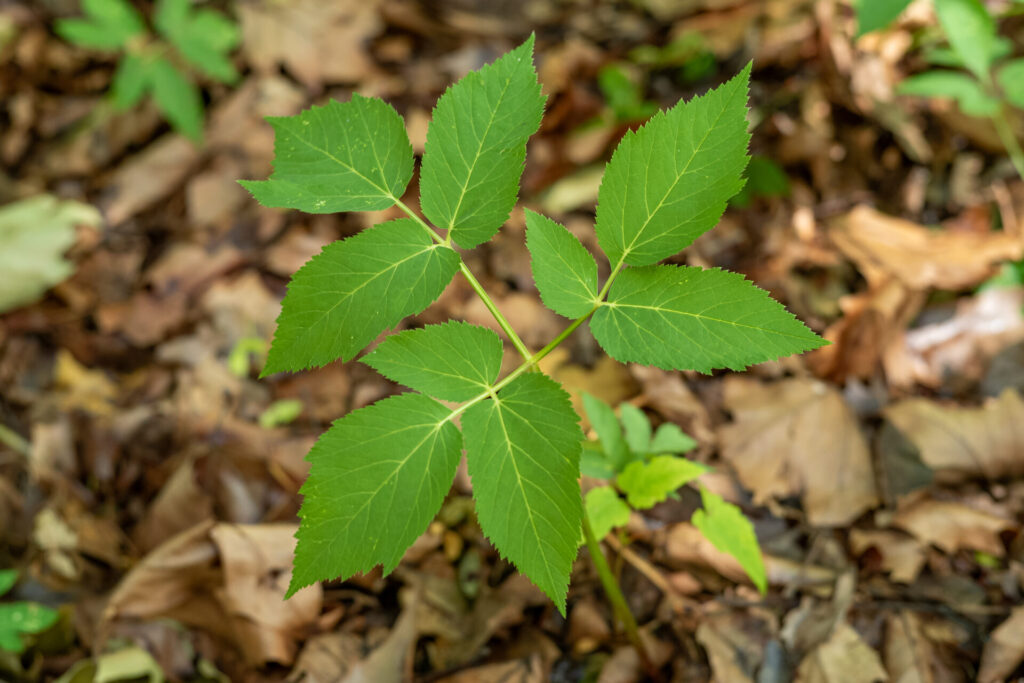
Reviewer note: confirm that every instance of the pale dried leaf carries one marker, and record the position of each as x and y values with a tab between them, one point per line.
1004	650
952	526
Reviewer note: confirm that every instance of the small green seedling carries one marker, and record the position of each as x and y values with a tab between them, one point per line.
191	41
975	73
624	95
689	55
648	468
379	475
20	620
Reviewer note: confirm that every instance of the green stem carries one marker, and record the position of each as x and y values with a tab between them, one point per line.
611	588
14	441
503	322
1009	140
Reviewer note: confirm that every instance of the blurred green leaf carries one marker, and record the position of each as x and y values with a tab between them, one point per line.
971	31
281	413
203	37
671	439
765	178
729	531
1011	80
637	427
34	234
624	97
605	510
648	483
609	431
18	619
109	25
968	92
875	14
178	99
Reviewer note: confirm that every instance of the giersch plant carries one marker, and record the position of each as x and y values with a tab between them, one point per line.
647	467
190	40
977	75
379	474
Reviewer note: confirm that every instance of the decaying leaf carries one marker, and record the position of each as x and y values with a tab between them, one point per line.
964	443
901	555
798	437
1004	650
952	526
843	658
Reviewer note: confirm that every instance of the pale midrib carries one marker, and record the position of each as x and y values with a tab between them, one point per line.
733	323
338	161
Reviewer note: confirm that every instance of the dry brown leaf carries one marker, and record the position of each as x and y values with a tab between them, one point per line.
734	643
843	658
670	395
884	246
529	670
327	658
180	505
318	41
964	443
150	176
911	656
1004	650
798	437
902	556
952	526
958	349
227	579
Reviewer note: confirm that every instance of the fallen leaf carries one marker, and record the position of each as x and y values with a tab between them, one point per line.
318	41
1004	650
391	662
843	658
901	555
884	246
798	437
149	177
965	443
952	526
911	656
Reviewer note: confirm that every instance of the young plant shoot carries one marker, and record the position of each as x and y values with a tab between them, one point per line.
379	475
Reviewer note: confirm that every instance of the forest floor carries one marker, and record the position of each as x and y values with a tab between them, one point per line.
142	495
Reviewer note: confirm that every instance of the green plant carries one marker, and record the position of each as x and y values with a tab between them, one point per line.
981	81
21	619
625	97
648	468
190	40
380	474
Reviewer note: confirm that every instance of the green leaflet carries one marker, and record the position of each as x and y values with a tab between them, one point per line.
131	81
605	510
18	618
724	525
343	156
965	89
609	431
476	145
648	483
177	97
1011	80
677	317
971	31
377	478
355	289
670	181
638	428
563	269
875	14
671	439
109	25
455	361
523	455
203	37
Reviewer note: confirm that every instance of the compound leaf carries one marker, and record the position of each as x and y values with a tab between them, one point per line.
965	89
638	428
971	31
875	14
730	531
609	431
343	156
648	483
605	510
355	289
671	180
109	25
677	317
131	80
476	145
523	455
177	97
377	478
454	361
563	269
1011	80
671	439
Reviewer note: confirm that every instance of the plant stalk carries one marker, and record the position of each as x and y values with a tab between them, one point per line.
618	601
14	441
1009	140
502	321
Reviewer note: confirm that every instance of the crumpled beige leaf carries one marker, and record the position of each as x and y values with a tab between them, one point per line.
34	234
227	579
1004	650
843	658
318	41
798	437
884	246
902	555
952	526
963	443
911	652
